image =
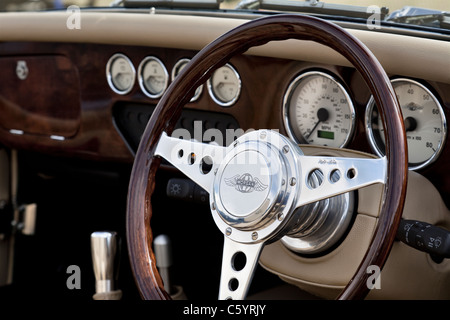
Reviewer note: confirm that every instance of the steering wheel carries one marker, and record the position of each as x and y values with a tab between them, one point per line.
257	183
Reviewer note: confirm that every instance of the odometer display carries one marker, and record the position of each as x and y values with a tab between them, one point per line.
424	120
325	134
318	110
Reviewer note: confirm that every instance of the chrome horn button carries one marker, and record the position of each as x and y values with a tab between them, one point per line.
245	185
251	189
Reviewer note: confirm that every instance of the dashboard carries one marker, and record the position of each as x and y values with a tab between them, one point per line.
312	103
88	96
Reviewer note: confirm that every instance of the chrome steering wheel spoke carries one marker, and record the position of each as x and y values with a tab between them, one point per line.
196	160
256	185
238	267
341	175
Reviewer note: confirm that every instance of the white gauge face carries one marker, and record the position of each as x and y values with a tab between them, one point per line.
318	111
120	74
153	77
424	120
177	69
224	86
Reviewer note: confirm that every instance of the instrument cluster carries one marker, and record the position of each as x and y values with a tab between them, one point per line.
318	109
224	85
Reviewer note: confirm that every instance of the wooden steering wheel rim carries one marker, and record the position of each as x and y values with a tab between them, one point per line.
216	54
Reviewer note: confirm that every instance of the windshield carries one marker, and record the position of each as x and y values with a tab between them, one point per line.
431	13
32	5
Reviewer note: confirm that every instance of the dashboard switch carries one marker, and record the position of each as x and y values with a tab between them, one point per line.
425	237
185	189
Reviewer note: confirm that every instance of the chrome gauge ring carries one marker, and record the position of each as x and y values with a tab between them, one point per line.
318	110
120	74
425	123
177	69
224	86
153	77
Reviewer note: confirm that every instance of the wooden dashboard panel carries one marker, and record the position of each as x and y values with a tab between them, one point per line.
40	95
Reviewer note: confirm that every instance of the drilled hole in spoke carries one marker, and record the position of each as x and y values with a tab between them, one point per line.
233	284
180	153
238	261
191	158
351	173
315	178
335	176
206	165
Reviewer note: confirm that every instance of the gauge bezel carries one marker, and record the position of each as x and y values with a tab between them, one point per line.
109	77
373	140
141	81
287	102
212	92
173	74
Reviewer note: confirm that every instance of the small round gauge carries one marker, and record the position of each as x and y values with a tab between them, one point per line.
424	120
177	69
224	86
318	110
153	77
120	73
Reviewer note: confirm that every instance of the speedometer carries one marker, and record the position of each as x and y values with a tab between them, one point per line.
424	120
318	110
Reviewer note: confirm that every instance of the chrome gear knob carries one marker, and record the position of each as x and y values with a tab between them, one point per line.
104	250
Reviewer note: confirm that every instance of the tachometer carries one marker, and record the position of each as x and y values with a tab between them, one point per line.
318	110
424	119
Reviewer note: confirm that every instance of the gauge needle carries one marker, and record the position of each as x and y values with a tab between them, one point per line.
322	115
220	85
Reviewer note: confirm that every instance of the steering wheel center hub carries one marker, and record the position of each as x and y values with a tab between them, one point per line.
251	186
245	184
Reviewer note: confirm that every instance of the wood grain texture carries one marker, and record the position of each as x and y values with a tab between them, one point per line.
46	101
216	54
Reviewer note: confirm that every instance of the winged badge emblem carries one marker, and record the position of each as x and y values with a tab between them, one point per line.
245	183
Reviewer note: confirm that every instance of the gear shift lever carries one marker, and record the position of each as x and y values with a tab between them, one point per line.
104	251
163	255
